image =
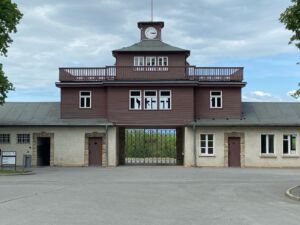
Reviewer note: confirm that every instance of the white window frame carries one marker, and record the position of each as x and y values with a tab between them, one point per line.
150	58
2	138
163	97
267	144
163	60
289	140
145	97
216	97
85	97
206	145
23	138
139	60
136	97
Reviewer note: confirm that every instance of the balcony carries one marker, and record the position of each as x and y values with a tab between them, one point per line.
110	73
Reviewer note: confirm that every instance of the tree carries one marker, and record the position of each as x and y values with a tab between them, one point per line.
291	19
10	16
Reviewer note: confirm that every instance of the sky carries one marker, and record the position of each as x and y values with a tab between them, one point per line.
75	33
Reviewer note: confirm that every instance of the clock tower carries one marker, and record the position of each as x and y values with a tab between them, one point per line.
150	30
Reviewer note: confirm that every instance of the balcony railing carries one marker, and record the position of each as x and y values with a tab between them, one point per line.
152	73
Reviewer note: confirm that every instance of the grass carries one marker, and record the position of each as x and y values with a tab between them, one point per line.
11	171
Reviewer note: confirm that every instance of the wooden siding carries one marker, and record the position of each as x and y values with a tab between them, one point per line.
181	113
175	60
70	103
231	103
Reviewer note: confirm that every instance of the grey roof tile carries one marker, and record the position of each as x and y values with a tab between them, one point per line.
152	46
260	114
41	114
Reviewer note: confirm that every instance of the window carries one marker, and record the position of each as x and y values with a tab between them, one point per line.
150	61
207	144
162	61
216	99
135	100
164	100
4	138
150	100
85	99
267	144
138	61
289	144
23	138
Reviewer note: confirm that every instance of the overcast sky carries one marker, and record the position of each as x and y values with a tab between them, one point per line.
61	33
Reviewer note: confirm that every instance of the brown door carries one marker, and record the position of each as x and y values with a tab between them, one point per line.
234	152
95	151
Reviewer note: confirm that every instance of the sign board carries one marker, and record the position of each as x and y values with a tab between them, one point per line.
8	158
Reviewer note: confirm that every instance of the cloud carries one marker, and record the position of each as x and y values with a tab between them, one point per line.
55	33
261	94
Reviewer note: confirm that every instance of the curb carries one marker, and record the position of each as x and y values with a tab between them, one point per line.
17	174
290	195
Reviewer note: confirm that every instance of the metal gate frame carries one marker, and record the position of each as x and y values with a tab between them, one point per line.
148	146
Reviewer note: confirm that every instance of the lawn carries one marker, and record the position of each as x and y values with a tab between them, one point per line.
11	171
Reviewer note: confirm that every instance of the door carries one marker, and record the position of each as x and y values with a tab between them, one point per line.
95	151
234	152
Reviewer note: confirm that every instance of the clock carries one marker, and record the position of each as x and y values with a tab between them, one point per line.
151	33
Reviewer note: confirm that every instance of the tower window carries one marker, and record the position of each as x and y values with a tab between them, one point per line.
85	99
165	99
150	61
135	100
216	99
162	61
150	100
138	61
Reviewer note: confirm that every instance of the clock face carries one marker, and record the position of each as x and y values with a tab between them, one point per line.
151	33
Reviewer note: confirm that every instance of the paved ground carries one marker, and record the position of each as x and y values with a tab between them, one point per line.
149	195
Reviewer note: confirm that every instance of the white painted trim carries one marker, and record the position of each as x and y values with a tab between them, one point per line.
210	99
129	101
162	57
145	99
85	98
170	100
206	145
267	145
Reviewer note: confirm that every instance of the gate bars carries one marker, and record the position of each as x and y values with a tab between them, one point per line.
150	147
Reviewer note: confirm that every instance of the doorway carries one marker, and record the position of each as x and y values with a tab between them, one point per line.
43	151
151	146
234	152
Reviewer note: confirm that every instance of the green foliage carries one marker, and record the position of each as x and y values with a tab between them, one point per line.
291	19
10	16
297	93
150	144
5	86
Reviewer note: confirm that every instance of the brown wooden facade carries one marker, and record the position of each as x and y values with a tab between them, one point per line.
190	87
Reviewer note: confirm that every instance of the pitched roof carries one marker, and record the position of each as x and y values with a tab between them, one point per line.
151	46
260	114
40	114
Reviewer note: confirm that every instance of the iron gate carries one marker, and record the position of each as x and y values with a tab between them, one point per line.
150	146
